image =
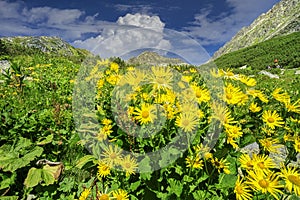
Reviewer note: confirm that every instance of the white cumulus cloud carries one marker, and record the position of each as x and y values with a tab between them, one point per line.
130	33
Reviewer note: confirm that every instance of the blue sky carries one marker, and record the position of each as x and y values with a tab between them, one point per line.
108	27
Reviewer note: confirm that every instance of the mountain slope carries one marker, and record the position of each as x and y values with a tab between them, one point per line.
284	48
48	46
153	58
282	19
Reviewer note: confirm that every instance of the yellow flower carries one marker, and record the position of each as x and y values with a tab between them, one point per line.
272	119
254	108
241	190
161	78
84	195
222	114
295	107
270	144
247	80
291	177
129	165
221	165
259	94
233	95
194	162
265	183
145	114
297	144
281	97
114	67
246	162
187	121
120	195
112	155
103	169
202	95
263	163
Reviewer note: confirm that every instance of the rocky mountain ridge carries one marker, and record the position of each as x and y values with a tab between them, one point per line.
282	19
153	58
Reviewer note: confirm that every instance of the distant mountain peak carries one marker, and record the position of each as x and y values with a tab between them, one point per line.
153	58
282	19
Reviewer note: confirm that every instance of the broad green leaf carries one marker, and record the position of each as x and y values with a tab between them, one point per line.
84	160
11	161
7	180
49	173
33	178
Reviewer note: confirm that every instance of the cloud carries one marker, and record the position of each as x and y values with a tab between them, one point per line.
52	16
130	33
219	29
70	24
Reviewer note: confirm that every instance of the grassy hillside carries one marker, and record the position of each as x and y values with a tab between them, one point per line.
37	122
286	49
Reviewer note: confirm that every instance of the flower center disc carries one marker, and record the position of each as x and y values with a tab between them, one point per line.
263	183
271	120
294	179
145	114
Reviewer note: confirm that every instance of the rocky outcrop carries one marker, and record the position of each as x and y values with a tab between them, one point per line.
282	19
153	58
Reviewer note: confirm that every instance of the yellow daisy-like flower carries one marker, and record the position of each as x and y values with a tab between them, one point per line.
246	162
263	163
194	162
129	165
291	177
221	165
145	114
297	144
265	183
232	95
202	95
242	190
112	155
254	107
222	114
187	121
247	80
259	94
85	194
120	194
103	169
270	144
161	78
272	119
295	107
281	96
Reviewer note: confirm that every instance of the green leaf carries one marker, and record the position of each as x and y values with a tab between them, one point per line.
145	176
46	174
9	198
135	185
187	178
199	194
84	160
7	180
178	170
175	187
11	161
33	178
47	140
